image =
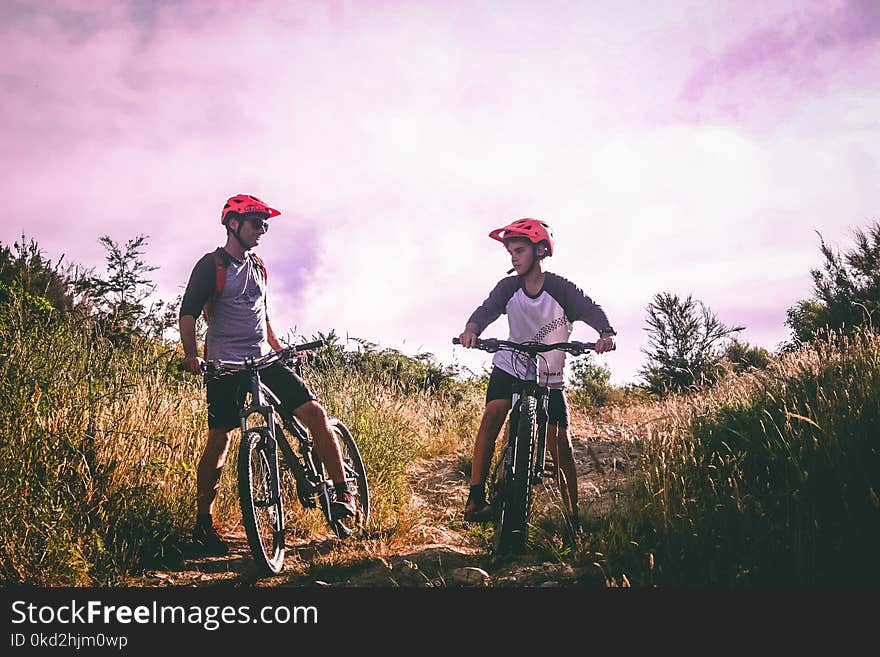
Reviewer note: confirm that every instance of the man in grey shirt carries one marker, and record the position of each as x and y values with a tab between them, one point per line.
239	328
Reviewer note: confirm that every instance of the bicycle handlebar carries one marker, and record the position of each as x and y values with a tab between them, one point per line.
532	348
261	362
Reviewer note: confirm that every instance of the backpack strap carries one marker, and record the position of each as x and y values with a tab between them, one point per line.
221	262
220	265
260	265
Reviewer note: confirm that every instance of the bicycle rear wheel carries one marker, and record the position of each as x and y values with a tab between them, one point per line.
512	524
355	477
262	514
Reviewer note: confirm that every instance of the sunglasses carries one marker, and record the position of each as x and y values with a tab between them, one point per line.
259	223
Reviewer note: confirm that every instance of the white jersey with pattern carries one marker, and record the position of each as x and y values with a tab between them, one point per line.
546	317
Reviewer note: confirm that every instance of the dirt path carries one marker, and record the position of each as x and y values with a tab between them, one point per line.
442	550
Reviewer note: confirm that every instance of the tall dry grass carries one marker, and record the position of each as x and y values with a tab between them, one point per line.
91	460
768	478
99	446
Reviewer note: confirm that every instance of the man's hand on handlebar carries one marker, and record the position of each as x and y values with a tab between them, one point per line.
193	364
301	357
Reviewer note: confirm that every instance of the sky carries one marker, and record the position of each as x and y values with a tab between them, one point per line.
682	146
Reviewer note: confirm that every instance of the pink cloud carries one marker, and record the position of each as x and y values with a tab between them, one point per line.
772	68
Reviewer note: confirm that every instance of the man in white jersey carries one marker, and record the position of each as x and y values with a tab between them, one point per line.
540	307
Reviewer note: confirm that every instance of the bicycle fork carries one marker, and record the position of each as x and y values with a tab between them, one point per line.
540	438
269	446
540	456
511	446
514	445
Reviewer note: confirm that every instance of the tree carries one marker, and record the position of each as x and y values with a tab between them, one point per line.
685	344
589	382
416	373
744	357
160	317
846	289
28	270
119	298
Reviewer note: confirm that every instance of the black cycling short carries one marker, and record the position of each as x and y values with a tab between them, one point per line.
502	386
224	394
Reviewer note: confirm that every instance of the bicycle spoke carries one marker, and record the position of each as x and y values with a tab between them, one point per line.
262	511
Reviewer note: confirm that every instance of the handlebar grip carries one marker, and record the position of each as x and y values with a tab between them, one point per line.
487	344
308	346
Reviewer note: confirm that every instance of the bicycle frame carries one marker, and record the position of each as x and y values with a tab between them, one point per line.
302	465
265	403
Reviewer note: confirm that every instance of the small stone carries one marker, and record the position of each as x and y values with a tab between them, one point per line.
470	576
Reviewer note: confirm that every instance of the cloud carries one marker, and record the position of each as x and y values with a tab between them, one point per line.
394	136
762	74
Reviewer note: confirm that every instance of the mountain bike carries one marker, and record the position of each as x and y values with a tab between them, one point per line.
260	471
521	465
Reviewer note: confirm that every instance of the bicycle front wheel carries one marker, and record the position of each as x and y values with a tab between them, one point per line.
262	511
512	524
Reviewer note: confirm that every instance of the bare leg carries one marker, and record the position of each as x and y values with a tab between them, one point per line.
560	446
209	469
484	446
312	414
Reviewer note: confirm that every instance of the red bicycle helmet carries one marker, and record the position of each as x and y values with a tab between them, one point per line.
245	203
534	230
